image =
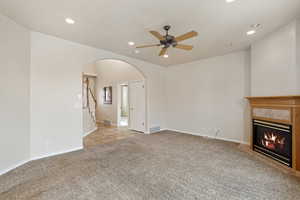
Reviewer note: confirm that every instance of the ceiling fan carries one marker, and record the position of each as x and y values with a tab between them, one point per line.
169	40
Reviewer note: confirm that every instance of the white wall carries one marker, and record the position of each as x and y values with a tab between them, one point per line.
89	68
274	71
113	73
14	94
56	67
207	97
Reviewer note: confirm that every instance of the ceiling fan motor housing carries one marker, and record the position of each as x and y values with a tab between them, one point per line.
169	40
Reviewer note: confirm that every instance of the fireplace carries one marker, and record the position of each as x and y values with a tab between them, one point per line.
276	129
273	140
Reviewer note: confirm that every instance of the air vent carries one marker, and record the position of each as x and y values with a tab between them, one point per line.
154	129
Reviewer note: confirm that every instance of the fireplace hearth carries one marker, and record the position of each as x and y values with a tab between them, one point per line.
273	140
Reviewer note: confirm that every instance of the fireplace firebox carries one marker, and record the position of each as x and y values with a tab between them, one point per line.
273	140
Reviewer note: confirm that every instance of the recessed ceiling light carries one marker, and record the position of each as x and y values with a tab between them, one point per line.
166	56
251	32
230	1
136	51
70	21
130	43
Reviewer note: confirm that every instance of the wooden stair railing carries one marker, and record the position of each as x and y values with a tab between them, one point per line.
89	93
92	113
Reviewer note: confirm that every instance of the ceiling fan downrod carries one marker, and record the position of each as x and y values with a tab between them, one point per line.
167	28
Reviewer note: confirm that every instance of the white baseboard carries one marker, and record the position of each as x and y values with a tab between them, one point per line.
56	153
14	167
208	136
163	129
37	158
89	132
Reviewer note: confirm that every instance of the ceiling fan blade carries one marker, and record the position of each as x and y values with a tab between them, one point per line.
157	35
184	47
163	51
150	45
186	36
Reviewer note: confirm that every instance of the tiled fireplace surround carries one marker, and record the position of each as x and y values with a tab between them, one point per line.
282	110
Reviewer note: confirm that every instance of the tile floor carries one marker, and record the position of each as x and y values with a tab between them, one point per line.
107	134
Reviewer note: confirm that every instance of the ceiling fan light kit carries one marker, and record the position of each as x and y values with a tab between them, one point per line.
167	40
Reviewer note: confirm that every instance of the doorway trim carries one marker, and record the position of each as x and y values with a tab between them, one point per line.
146	131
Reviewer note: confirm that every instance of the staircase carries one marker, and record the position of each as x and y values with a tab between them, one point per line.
92	105
91	101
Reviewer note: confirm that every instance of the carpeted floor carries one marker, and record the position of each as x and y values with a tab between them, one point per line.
167	166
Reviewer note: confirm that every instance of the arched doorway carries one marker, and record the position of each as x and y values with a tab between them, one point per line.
118	90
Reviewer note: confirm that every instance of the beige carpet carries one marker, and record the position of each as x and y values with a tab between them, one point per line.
167	166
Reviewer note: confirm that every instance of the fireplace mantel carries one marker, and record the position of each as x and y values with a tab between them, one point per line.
276	101
283	110
276	97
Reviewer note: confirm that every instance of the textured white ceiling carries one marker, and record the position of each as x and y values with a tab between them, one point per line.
110	24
